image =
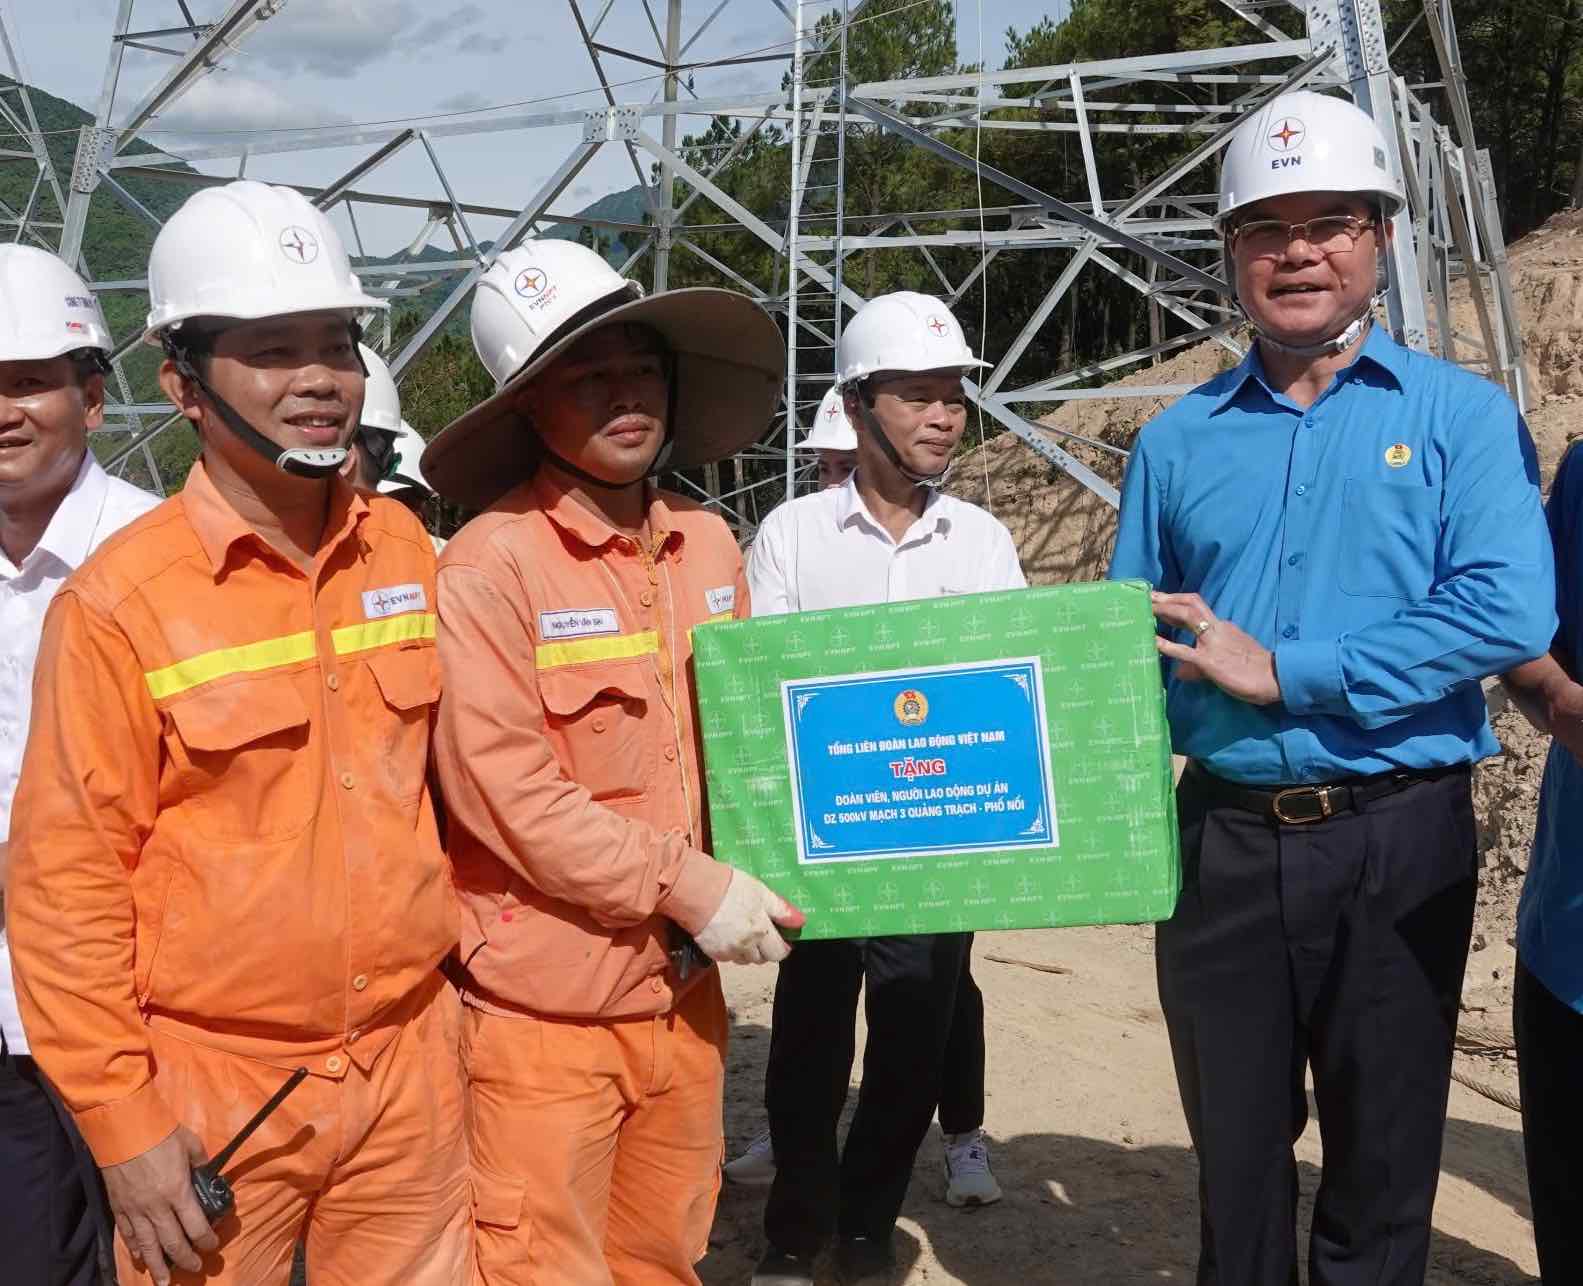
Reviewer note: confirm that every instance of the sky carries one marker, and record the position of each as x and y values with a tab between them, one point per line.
338	62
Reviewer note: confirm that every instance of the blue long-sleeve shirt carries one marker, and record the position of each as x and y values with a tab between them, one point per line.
1550	915
1387	543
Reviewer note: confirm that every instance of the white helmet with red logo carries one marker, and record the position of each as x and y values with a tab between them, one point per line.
831	431
45	309
726	360
902	331
1306	142
247	250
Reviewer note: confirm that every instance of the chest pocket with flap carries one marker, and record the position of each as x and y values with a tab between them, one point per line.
603	726
242	767
409	685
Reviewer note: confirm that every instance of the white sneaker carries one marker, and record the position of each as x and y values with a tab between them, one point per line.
755	1168
968	1179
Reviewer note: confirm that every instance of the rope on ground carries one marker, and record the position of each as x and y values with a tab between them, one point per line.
1491	1092
1027	964
1479	1038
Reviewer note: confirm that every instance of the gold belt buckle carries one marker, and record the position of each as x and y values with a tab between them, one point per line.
1321	793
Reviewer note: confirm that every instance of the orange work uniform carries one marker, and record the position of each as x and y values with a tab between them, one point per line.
225	865
569	754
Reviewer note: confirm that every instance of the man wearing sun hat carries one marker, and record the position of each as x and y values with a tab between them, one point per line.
568	748
225	863
1345	537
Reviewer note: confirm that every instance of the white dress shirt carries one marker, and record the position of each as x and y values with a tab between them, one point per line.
96	505
826	550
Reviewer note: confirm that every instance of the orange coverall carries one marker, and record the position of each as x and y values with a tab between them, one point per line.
225	865
570	759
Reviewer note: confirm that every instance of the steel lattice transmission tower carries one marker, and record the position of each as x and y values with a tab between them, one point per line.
1450	229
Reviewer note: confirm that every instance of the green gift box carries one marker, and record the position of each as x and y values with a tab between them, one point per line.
982	761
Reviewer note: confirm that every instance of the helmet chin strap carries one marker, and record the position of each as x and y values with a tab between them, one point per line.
932	481
300	462
1354	330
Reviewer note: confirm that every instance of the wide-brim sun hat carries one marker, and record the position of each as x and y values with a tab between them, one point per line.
729	361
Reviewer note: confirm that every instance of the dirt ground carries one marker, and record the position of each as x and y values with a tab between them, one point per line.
1089	1142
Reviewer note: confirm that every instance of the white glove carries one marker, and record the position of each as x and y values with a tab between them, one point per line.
743	930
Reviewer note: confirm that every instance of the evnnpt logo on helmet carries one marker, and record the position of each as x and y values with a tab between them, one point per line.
1288	134
531	282
938	325
299	245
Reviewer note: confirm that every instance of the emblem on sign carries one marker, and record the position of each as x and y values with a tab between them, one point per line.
1398	454
299	245
912	707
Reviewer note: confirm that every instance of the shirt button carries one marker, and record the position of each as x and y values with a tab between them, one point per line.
1290	632
333	682
646	598
351	1037
359	982
332	1063
599	725
1294	560
670	753
1302	490
348	780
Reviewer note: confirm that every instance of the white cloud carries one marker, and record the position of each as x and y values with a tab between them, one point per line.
583	189
339	38
331	37
229	103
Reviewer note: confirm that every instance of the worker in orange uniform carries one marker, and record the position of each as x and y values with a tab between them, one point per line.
594	1036
224	857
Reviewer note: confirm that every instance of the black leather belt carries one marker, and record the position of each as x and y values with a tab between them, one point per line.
1304	805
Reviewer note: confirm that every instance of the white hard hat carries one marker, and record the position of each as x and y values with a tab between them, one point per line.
903	331
831	431
247	250
1306	142
406	472
531	292
381	401
539	299
45	309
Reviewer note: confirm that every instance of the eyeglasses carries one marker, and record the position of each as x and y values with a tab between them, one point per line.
1331	234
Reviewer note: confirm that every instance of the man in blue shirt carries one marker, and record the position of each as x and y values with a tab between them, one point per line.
1344	537
1547	1007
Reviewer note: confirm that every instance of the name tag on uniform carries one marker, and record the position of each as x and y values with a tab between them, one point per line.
394	600
578	623
721	600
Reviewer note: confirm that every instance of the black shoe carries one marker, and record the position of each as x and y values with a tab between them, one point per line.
860	1261
779	1268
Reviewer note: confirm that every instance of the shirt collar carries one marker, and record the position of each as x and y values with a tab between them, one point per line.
1379	350
69	535
588	528
219	527
849	508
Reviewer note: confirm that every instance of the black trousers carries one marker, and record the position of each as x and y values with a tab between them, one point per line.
912	985
1339	946
1549	1060
51	1202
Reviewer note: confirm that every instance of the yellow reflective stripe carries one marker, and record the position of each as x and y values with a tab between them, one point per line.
288	650
721	616
613	647
246	659
393	629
